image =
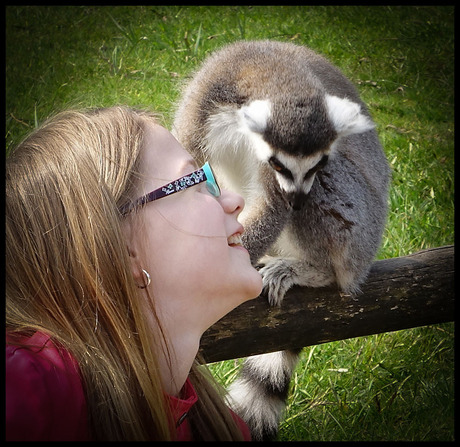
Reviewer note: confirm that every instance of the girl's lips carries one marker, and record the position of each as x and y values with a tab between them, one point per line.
235	240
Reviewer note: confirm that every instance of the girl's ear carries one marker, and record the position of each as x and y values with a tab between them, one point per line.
136	255
136	269
133	253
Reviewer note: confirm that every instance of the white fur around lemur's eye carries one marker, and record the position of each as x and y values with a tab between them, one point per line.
286	185
255	115
346	116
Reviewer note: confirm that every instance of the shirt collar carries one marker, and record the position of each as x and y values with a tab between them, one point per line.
180	406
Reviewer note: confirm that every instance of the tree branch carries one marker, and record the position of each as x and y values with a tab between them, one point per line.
400	293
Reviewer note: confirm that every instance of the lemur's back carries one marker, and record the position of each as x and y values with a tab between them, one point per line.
250	70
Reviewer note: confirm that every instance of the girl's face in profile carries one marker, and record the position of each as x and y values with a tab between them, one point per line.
188	241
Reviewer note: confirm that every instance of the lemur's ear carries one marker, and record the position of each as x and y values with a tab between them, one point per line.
346	116
255	115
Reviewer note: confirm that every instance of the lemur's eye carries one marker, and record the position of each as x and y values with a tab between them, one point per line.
322	162
279	167
317	167
275	164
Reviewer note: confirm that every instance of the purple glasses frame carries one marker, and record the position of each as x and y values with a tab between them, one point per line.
204	174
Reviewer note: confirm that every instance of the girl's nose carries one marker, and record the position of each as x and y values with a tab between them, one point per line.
231	202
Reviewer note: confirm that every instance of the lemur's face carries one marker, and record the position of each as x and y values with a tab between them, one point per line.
296	175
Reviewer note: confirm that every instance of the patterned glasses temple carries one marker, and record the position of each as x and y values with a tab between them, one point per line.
200	175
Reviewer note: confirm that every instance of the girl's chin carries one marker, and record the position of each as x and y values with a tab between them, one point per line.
256	287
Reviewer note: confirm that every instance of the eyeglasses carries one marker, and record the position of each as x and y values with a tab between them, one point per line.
200	175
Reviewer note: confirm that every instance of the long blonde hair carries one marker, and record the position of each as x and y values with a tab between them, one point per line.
68	272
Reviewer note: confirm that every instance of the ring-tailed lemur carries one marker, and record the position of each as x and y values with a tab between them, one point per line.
288	131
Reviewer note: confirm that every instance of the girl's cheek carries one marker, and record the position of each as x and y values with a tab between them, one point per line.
198	214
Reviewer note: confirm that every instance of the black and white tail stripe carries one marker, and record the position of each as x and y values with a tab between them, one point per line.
260	391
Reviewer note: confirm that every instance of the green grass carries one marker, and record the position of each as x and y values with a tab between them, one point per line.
394	386
386	387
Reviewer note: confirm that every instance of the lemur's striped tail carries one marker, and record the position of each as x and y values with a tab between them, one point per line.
259	393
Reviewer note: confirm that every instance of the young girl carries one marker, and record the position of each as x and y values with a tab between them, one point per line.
120	253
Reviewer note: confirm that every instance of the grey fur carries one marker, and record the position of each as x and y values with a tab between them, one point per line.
252	105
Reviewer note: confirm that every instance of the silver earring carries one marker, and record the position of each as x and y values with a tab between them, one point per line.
148	279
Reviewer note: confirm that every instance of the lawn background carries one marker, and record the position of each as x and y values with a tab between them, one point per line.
394	386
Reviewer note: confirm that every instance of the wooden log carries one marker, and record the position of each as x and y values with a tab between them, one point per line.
400	293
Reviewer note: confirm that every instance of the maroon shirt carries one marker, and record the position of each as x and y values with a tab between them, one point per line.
45	399
44	393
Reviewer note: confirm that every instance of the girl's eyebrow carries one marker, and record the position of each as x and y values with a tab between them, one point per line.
189	166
